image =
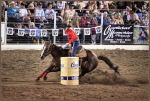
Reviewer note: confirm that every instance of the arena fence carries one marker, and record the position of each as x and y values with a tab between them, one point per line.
105	34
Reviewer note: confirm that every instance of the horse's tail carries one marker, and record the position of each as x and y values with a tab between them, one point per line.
109	63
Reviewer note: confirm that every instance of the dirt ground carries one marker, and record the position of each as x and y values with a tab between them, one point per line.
21	67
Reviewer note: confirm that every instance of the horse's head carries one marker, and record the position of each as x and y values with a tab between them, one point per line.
47	48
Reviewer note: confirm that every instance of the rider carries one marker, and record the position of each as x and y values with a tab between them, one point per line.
73	39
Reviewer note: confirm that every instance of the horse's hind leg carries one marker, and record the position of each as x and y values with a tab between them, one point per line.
109	63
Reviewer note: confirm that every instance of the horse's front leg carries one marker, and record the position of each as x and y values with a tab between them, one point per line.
43	74
52	68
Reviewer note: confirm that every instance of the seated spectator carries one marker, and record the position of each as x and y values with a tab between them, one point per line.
119	19
60	5
75	20
145	19
93	23
32	26
23	13
105	18
12	13
49	13
31	11
39	15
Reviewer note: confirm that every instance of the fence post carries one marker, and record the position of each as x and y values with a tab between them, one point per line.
101	28
54	37
5	30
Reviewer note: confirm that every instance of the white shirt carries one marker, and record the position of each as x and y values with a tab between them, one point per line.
39	12
49	13
61	5
23	12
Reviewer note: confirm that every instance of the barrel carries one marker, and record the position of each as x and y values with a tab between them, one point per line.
70	70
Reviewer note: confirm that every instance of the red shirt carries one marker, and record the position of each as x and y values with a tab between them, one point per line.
71	35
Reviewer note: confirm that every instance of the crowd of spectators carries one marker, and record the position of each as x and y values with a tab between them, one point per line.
81	14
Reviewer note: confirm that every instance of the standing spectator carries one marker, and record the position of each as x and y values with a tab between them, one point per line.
106	18
119	19
95	10
39	14
66	14
145	19
143	36
75	20
84	24
94	23
113	20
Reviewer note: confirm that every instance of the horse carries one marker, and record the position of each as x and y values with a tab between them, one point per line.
88	64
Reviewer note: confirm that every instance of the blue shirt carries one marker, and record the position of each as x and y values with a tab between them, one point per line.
12	11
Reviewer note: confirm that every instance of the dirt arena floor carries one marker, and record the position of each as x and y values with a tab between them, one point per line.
21	67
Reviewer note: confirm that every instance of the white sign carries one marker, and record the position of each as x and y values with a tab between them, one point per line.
87	31
9	31
98	29
77	30
64	34
55	32
21	32
44	33
32	32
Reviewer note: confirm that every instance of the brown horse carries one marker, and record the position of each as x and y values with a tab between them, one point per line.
88	63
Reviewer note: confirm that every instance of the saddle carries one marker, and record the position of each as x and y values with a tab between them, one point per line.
81	52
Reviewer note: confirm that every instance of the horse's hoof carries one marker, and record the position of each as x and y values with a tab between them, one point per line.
45	78
37	79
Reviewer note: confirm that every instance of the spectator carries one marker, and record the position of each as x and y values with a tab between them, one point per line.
145	19
12	12
143	36
37	37
75	20
72	11
31	11
66	10
4	7
80	11
23	13
84	21
60	5
49	13
39	15
133	18
94	23
95	10
113	20
119	19
105	18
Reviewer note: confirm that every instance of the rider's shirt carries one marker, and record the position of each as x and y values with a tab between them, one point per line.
72	36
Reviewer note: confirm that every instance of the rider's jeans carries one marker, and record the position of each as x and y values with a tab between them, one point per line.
76	44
